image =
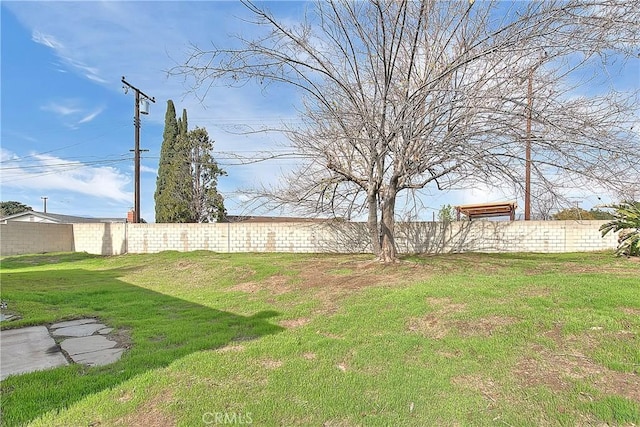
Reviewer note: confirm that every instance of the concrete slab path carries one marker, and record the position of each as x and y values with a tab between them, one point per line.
33	348
78	330
28	349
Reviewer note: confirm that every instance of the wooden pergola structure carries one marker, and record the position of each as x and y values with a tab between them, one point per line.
487	210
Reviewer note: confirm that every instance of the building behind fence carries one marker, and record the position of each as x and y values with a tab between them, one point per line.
303	237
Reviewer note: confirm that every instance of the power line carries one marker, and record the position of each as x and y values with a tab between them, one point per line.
18	159
71	167
75	164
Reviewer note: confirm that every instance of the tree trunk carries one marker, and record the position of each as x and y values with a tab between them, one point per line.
372	222
388	253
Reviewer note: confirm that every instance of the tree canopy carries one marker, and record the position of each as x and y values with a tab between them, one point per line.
403	96
582	214
186	186
12	208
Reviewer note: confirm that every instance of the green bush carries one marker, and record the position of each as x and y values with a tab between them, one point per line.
627	222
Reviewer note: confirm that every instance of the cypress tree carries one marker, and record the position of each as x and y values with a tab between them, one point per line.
183	124
163	182
182	178
187	174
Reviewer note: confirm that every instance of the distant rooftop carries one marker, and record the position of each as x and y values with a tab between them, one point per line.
36	216
487	210
249	218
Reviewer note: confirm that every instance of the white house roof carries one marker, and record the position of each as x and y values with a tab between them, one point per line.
60	219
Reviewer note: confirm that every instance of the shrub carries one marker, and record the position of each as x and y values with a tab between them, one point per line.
627	222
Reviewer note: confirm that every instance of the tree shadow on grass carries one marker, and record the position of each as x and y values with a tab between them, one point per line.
161	328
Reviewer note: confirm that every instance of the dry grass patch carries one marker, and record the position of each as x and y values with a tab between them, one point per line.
230	348
632	311
338	423
535	292
484	326
271	363
150	413
558	370
430	326
276	285
485	386
294	323
435	324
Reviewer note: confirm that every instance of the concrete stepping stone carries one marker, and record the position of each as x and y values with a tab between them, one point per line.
78	330
5	317
28	349
72	323
100	357
33	348
82	345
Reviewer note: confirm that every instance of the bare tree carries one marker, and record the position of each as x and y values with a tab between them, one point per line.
410	95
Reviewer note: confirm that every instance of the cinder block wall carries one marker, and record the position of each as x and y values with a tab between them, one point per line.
101	238
517	236
336	237
33	237
340	237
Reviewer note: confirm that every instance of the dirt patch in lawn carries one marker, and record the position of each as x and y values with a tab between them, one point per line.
437	326
323	275
632	311
122	337
230	348
437	323
431	326
276	285
294	323
560	367
271	363
484	326
150	413
534	292
445	305
485	386
326	282
621	269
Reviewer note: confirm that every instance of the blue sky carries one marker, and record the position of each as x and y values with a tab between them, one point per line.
67	125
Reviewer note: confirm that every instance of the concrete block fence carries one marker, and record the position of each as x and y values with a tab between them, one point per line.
307	237
35	237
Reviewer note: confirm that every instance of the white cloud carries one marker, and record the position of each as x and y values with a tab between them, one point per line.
63	109
89	117
44	172
72	112
46	40
147	169
6	155
92	73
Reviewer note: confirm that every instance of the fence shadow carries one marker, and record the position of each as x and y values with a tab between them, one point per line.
411	237
433	237
160	329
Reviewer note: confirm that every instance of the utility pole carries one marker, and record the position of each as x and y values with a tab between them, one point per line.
44	198
136	150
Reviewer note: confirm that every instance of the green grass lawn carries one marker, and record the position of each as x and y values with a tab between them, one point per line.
335	340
